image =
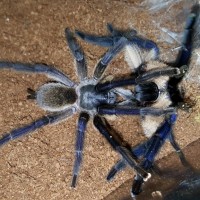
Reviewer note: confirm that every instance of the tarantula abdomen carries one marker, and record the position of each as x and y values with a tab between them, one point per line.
55	96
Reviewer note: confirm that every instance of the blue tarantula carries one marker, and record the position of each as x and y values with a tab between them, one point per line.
156	89
63	98
155	96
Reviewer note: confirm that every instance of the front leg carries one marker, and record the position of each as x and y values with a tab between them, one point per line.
49	71
189	34
155	73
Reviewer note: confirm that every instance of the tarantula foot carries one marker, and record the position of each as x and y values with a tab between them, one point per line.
183	70
137	186
147	177
111	174
74	180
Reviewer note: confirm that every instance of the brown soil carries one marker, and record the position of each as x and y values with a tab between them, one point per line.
39	166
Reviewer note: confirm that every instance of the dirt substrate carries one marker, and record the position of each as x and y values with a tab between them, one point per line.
39	166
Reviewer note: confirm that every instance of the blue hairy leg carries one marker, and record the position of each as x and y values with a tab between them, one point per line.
77	53
115	35
40	69
49	119
82	122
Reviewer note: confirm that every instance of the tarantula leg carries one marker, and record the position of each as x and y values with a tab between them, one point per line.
119	166
158	140
178	149
49	119
111	40
184	55
140	151
148	149
112	137
117	144
104	41
108	56
82	122
169	71
38	68
123	110
77	53
101	87
189	43
134	39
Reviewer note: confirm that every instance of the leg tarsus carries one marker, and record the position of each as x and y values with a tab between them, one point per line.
137	186
120	165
